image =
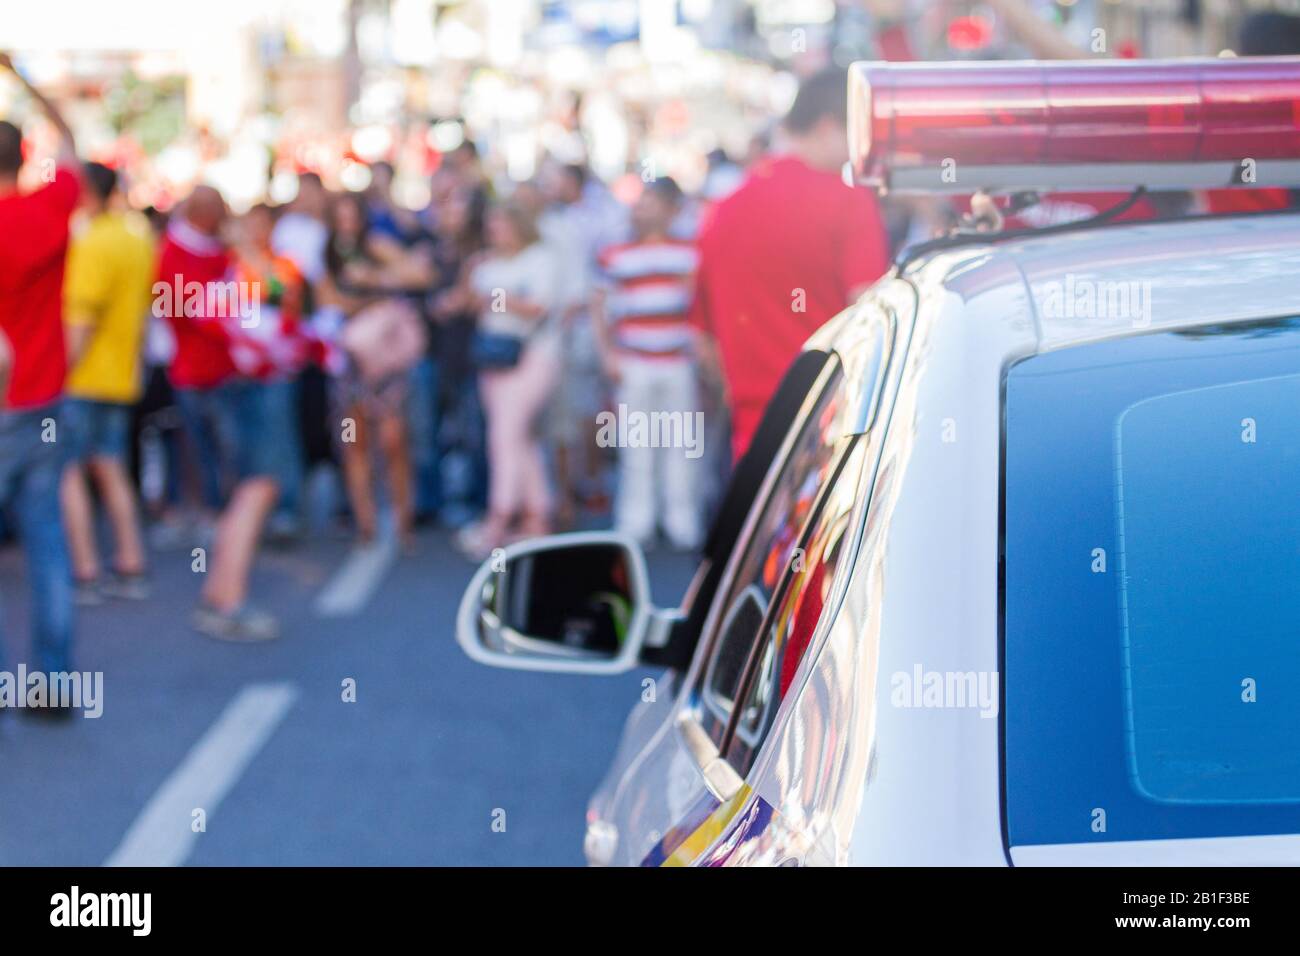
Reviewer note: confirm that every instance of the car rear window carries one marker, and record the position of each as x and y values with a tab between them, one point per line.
1151	610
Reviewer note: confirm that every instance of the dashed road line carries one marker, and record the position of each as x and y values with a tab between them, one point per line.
163	834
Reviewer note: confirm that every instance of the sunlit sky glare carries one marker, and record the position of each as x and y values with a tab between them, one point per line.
96	25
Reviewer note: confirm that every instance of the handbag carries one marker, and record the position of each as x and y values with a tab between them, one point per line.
384	340
494	350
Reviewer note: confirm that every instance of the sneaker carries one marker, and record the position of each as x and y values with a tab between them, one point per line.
241	626
128	587
477	542
87	593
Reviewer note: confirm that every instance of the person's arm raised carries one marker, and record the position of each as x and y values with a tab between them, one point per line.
67	144
1044	40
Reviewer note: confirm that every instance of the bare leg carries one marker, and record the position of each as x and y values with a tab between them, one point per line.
119	501
79	522
357	477
238	531
538	374
397	462
495	390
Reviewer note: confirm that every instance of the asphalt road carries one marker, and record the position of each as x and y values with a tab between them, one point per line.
260	739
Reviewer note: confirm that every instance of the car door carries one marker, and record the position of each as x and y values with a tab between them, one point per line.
685	783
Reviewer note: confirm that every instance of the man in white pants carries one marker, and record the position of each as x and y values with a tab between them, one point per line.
647	346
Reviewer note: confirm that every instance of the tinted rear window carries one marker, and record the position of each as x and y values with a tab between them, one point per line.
1152	614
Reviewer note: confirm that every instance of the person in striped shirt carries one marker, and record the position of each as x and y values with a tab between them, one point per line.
647	346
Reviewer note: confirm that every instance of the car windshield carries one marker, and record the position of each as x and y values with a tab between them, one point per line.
1152	552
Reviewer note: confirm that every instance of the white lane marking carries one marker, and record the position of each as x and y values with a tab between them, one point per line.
355	582
161	835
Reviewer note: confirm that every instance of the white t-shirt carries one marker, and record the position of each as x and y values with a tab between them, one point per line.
301	238
531	274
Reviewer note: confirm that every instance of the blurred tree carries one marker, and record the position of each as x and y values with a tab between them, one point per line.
150	111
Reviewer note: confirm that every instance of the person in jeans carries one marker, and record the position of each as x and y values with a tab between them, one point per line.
192	252
33	244
107	292
647	346
515	288
458	214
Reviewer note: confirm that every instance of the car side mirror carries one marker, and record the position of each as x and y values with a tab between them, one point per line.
575	603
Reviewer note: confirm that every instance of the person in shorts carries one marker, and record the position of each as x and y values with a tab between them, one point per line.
224	411
106	296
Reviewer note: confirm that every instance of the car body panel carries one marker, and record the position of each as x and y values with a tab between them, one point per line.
656	795
1211	270
844	777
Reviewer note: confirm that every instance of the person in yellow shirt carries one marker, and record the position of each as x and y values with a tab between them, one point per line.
107	292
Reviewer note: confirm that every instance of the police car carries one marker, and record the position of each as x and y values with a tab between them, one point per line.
1009	574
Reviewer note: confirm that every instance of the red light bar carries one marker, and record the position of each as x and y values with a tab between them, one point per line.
1078	125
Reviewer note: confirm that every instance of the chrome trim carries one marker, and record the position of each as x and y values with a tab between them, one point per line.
899	303
712	700
719	776
890	295
693	685
660	629
1081	177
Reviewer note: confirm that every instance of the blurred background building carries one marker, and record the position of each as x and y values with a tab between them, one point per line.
245	93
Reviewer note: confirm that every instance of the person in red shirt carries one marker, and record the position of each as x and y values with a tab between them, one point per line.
790	248
33	243
192	255
226	412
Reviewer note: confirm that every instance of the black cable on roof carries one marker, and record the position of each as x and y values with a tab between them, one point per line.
911	253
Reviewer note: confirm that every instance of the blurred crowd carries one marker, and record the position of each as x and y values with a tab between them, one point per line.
207	382
210	382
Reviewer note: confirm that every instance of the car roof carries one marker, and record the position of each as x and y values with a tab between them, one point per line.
1187	272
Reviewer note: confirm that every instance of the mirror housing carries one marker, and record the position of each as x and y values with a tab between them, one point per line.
570	603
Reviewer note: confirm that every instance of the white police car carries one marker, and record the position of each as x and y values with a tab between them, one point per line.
1010	572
